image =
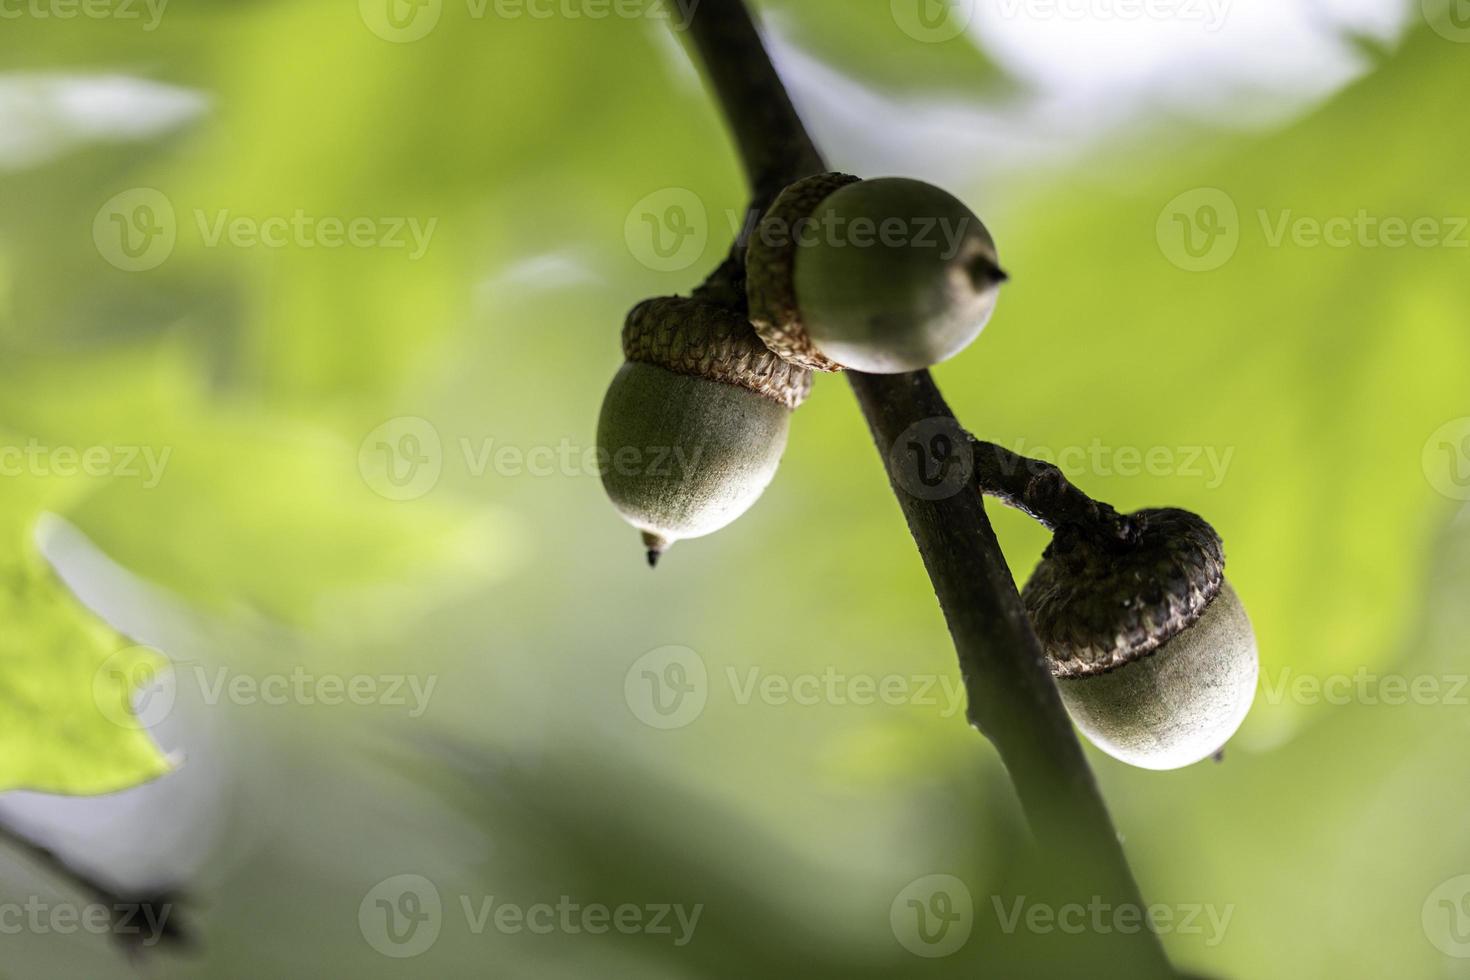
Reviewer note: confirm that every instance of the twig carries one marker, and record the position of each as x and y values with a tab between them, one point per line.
1012	698
140	921
1042	491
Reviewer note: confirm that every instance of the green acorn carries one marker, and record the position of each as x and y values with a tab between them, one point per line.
694	424
1152	651
882	276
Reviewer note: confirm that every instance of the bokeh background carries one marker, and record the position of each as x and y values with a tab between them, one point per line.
1237	235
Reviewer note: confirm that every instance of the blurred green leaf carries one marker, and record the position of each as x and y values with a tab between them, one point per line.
233	506
66	679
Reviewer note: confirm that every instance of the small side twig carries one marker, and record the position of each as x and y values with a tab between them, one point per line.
1042	491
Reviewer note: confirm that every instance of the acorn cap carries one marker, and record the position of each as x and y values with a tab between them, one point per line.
1098	605
770	262
694	337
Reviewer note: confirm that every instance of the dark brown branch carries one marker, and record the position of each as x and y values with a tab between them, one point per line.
1012	698
769	135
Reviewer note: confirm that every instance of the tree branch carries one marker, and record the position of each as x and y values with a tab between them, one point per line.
1012	698
769	135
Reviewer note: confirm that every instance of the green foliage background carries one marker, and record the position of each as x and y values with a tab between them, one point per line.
1323	371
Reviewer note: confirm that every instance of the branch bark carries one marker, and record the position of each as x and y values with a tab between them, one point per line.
1012	698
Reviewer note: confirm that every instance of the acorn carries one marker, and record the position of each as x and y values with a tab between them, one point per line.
1150	646
882	276
694	423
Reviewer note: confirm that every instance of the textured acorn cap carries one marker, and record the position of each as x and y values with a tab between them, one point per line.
770	262
1098	605
705	340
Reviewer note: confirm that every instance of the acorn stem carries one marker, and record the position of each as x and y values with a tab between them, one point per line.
1041	491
